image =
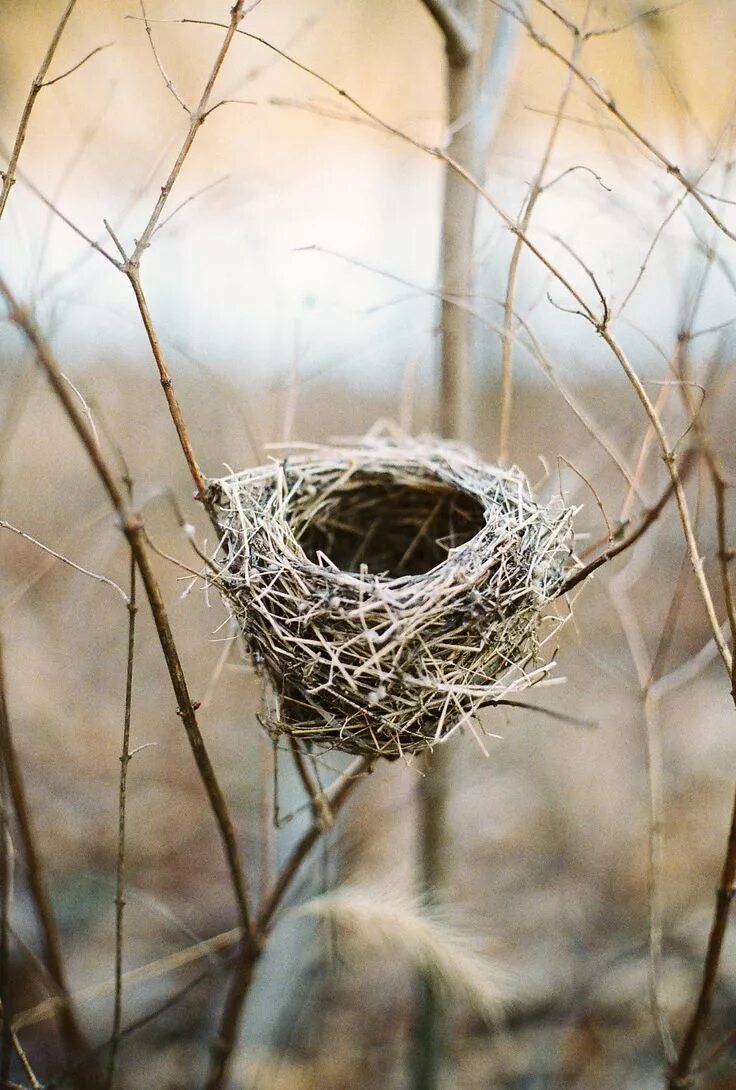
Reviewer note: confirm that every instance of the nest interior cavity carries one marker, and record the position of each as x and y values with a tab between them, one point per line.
390	589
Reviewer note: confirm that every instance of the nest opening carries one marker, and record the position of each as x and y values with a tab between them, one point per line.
390	528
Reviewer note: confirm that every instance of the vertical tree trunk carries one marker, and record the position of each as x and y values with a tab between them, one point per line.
454	420
458	229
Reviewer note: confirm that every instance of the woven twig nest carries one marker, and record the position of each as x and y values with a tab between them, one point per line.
390	589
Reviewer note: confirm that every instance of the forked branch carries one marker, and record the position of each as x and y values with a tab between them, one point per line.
9	172
132	528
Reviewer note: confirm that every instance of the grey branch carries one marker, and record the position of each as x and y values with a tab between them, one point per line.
460	41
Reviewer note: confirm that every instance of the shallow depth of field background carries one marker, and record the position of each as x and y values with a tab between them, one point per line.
293	298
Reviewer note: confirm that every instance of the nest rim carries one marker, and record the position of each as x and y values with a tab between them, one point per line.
267	542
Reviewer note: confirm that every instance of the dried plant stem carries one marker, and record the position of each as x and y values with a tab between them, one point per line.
680	1075
64	559
122	798
132	528
9	173
607	101
133	273
224	1044
507	341
130	265
668	457
25	1062
682	1068
649	517
74	1041
320	806
197	117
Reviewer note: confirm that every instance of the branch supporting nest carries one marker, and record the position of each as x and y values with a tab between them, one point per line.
389	589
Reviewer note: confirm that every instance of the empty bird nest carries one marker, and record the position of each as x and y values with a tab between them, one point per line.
389	589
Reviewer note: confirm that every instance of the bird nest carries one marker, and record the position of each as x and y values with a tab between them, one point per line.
389	590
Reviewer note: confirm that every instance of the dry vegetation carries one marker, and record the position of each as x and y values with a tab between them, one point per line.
249	917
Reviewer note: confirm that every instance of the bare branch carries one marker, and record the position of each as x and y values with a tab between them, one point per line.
460	41
65	220
504	428
125	758
9	173
169	84
243	973
132	528
625	543
88	56
607	101
641	16
64	559
74	1041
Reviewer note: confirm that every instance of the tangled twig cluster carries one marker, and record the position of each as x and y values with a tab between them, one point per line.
389	589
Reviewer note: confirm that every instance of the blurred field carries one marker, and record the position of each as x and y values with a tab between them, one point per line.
270	339
549	833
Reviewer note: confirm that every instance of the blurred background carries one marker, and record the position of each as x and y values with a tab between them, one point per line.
294	291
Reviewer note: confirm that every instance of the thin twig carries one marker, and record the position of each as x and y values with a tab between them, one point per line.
131	266
607	101
133	274
25	1062
74	1041
132	528
169	83
68	72
9	173
64	559
125	757
650	516
680	1075
224	1043
682	1068
535	192
320	806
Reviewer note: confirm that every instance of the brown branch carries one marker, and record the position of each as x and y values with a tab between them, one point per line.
72	1036
25	1062
131	264
74	67
648	518
682	1068
607	101
680	1075
122	798
9	173
320	806
132	528
167	81
242	977
177	417
196	120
